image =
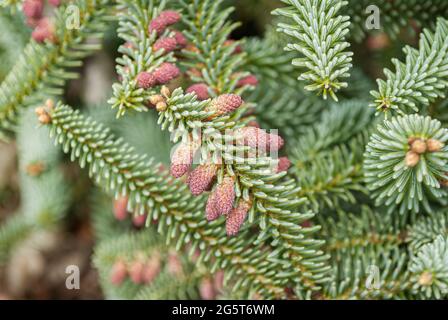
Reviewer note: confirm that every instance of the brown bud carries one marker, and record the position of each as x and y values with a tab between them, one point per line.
44	118
161	106
165	91
418	146
425	279
35	169
434	145
155	99
412	159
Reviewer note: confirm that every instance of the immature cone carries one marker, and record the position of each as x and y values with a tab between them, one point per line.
136	271
236	217
180	39
182	159
201	91
283	164
55	3
33	8
43	31
218	280
166	43
418	146
139	220
174	265
207	290
211	212
120	208
151	269
250	80
118	273
166	72
146	80
434	145
169	17
412	159
165	19
225	196
260	139
201	178
225	104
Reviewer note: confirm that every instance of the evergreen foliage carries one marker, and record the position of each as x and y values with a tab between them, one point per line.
194	196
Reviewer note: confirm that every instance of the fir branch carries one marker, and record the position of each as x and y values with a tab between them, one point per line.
117	168
41	70
406	161
426	229
12	232
138	54
212	59
319	34
421	79
430	270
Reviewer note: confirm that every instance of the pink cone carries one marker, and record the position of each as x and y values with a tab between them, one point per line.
167	44
120	208
151	270
207	290
136	272
225	196
43	31
166	72
201	91
180	39
283	164
201	178
211	212
182	159
146	80
157	25
33	8
174	264
118	273
139	220
260	139
250	80
169	17
236	217
55	3
225	103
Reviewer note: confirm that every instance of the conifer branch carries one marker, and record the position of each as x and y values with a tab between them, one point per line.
42	69
406	162
319	33
115	166
421	79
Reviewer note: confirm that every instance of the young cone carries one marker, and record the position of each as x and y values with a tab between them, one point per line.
201	178
225	196
236	217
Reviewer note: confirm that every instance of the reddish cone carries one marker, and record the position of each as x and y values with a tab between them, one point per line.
182	159
120	208
146	80
43	31
169	17
166	72
236	217
201	91
118	273
225	103
151	269
259	138
283	164
211	212
225	196
207	290
248	81
167	44
136	272
180	39
139	220
33	8
201	178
